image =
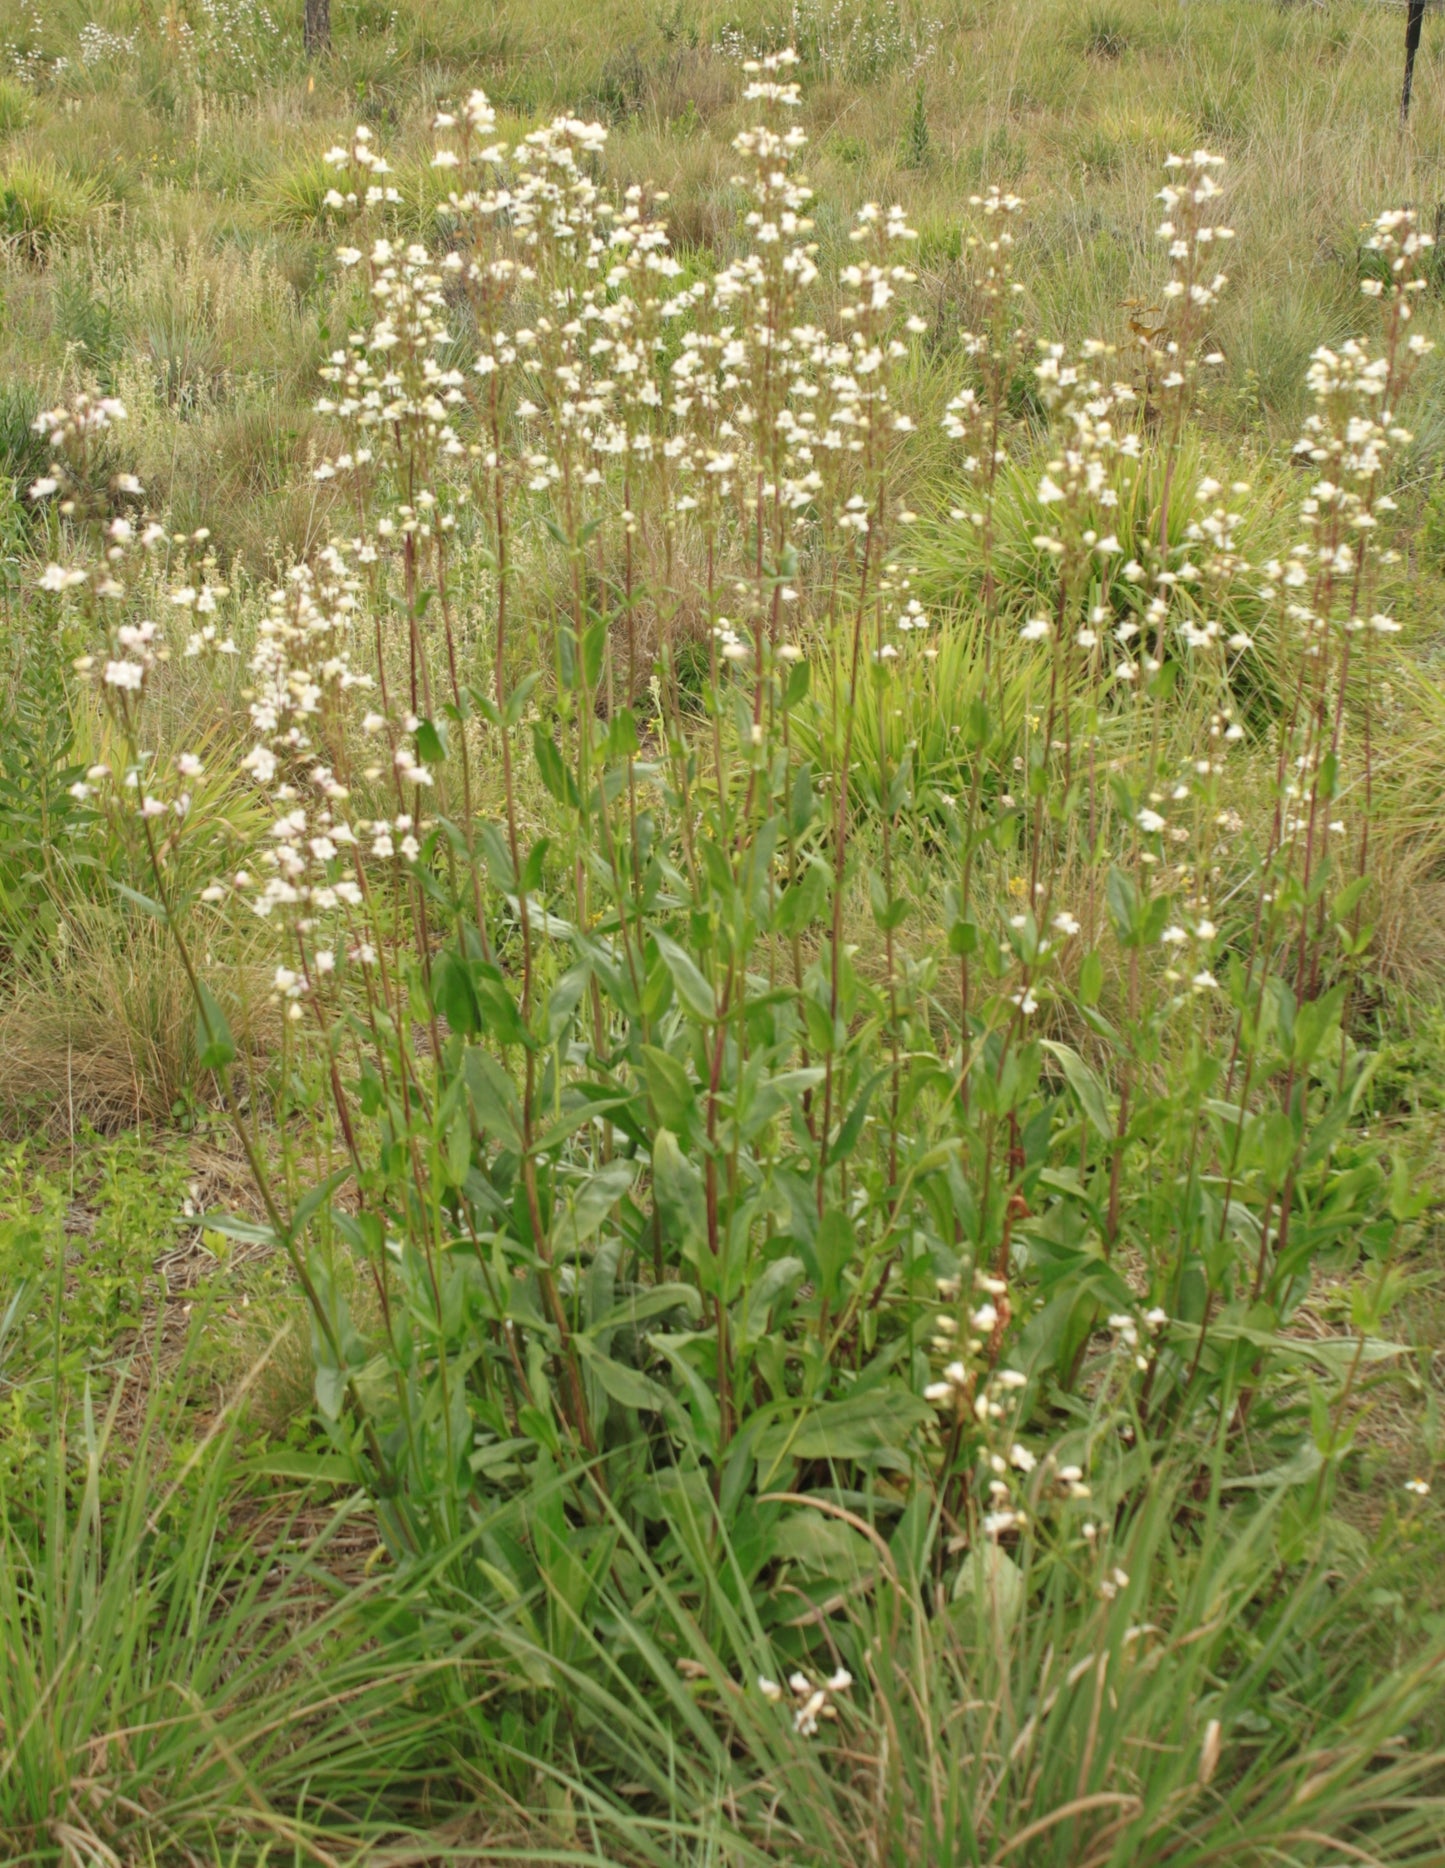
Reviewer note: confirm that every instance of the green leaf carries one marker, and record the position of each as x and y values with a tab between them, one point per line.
457	1154
315	1197
705	1414
553	772
692	988
1124	906
1086	1086
215	1047
247	1231
991	1584
499	857
430	746
962	938
453	993
594	646
658	1300
303	1468
501	1019
678	1187
802	803
822	1033
564	999
670	1088
847	1136
330	1392
834	1245
876	1425
145	903
622	741
520	697
779	1280
579	1213
630	1388
802	901
494	1098
1302	1466
822	1545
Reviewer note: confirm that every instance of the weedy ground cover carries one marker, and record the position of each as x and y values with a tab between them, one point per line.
784	845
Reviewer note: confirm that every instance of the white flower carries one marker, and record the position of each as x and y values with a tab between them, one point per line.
125	675
1209	1751
1150	821
1420	1487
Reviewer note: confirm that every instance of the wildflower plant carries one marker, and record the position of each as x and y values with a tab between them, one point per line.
642	1109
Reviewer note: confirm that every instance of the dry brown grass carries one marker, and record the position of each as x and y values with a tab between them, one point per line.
104	1035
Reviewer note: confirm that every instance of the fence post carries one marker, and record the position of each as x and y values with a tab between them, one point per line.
1413	22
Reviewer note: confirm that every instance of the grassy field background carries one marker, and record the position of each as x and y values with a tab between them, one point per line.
214	1651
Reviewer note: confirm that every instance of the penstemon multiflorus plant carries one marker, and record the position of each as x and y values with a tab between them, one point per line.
615	1122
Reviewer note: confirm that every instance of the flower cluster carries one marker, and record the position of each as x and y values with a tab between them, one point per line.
811	1702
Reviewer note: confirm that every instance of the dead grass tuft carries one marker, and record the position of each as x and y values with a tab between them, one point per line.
104	1034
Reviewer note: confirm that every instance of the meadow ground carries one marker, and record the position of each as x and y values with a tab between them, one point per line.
722	1002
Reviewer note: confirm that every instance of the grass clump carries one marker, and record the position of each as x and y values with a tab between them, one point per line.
1105	34
178	1681
15	107
43	208
294	198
